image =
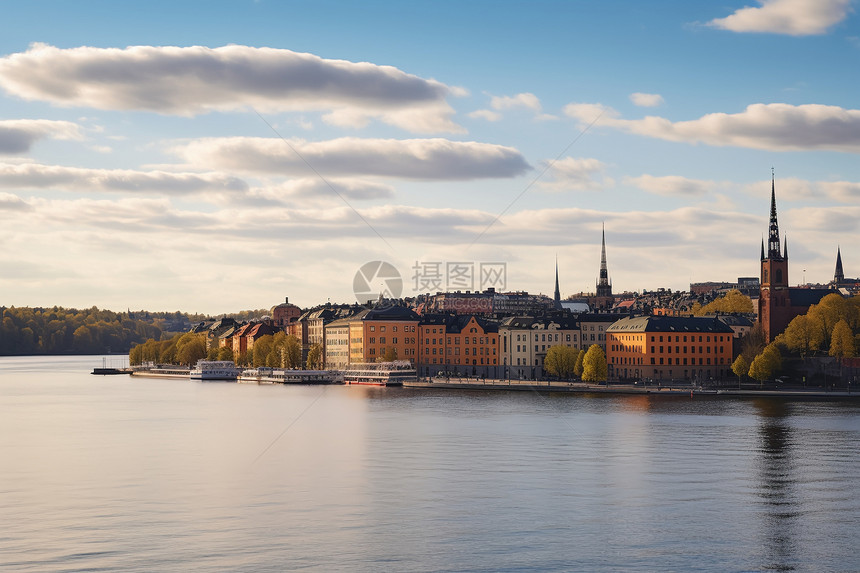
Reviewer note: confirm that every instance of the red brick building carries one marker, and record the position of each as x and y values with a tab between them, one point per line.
778	303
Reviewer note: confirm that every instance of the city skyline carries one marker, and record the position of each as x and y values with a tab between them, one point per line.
171	157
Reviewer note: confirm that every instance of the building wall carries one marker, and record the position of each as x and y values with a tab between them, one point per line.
375	337
669	356
337	347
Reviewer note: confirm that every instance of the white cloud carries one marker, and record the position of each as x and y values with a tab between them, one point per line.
486	114
792	17
19	135
434	159
573	173
794	189
194	80
646	100
306	189
523	100
39	176
671	185
10	202
775	127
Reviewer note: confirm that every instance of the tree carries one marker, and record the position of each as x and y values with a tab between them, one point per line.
802	335
225	353
733	302
292	352
740	366
830	310
315	357
390	355
594	365
577	368
766	364
262	347
560	360
842	341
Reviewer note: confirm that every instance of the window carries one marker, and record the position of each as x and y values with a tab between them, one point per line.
394	340
382	340
393	329
381	329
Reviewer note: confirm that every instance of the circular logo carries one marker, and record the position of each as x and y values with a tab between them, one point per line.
375	279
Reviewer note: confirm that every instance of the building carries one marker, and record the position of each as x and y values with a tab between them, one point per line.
336	344
459	345
603	299
285	313
778	303
594	325
669	348
381	333
525	341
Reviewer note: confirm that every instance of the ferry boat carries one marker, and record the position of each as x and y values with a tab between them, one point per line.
266	375
380	373
215	370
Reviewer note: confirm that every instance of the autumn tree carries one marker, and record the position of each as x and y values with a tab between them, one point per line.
577	368
803	335
594	367
315	357
732	302
263	346
560	360
766	364
741	366
292	352
842	341
225	353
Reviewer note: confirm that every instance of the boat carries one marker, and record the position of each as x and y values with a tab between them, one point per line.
215	370
380	373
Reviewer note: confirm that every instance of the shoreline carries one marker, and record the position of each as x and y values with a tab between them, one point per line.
655	390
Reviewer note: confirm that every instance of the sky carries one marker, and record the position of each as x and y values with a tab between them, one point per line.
216	156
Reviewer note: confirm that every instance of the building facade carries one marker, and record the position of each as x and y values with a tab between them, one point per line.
669	348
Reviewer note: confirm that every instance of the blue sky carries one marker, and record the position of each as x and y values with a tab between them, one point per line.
212	156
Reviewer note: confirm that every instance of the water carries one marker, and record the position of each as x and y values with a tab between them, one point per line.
114	473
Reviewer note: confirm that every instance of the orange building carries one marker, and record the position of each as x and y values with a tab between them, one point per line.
375	333
669	348
460	345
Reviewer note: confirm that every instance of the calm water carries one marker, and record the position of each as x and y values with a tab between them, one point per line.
114	473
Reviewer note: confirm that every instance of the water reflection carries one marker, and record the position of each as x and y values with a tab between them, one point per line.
776	487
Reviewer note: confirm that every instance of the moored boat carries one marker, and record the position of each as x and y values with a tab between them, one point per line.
380	373
215	370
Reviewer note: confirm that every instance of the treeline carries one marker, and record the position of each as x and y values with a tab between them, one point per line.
829	328
277	351
58	330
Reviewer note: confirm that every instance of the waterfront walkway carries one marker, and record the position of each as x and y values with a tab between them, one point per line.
619	388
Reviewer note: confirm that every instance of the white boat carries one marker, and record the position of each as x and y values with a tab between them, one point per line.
215	370
380	373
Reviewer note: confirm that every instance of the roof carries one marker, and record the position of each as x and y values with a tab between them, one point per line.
808	296
388	313
671	324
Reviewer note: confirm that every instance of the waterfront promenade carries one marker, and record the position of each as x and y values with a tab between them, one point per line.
664	389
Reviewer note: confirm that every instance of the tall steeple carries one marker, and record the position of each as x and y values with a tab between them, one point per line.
838	276
557	296
773	250
604	287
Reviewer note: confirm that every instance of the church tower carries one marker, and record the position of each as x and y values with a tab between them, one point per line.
603	298
774	302
556	297
838	276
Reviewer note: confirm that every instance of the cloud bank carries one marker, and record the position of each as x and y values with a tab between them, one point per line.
18	135
39	176
791	17
194	80
775	127
424	159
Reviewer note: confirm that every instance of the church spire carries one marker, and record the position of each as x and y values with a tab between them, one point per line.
604	287
773	250
838	276
557	296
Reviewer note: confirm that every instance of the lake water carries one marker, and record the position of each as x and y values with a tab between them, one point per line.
140	474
